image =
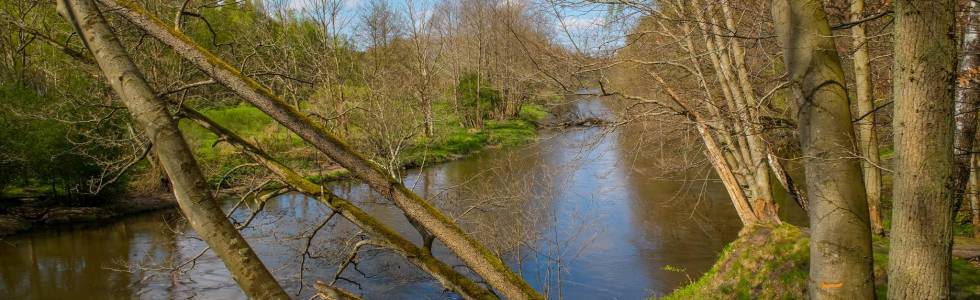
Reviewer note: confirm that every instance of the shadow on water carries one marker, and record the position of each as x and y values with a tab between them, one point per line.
582	214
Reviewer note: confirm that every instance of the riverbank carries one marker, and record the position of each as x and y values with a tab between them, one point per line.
768	262
25	214
22	214
449	141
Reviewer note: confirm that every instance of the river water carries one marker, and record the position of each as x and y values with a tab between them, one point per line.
588	213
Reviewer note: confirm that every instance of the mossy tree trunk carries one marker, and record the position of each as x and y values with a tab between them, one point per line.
840	248
380	233
484	262
190	187
924	83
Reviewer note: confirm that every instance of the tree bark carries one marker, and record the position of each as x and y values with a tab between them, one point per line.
924	83
485	263
840	243
973	192
378	231
190	187
867	135
967	100
763	202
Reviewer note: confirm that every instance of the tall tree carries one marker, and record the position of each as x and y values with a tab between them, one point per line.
867	135
840	242
924	84
190	187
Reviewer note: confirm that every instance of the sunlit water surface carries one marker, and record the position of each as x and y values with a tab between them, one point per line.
582	214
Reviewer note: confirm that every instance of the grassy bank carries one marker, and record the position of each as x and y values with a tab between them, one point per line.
773	263
449	141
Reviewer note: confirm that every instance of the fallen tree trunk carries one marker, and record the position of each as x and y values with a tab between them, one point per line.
485	263
190	187
378	231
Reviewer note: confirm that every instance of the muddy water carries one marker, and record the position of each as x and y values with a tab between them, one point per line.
583	214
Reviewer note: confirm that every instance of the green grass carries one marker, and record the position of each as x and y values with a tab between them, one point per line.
450	140
764	263
778	268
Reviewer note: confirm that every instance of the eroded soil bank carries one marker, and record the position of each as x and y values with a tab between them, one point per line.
24	214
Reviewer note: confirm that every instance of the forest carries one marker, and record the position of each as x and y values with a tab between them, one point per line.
488	149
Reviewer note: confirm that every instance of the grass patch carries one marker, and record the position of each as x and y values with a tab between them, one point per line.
773	263
763	263
450	140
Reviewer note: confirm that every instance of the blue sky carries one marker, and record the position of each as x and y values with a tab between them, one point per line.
580	26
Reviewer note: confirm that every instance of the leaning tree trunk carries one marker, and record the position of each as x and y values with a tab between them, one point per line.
840	242
924	79
967	100
867	137
379	232
190	187
476	256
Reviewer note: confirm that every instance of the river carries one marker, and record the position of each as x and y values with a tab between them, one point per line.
588	213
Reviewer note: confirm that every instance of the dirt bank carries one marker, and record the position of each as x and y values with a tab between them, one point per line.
20	215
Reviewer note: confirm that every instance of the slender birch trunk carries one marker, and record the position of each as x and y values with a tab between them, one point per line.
840	242
190	187
867	136
485	263
924	83
973	194
967	101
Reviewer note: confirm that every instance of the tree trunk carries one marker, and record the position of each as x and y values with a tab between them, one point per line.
471	252
763	202
840	242
924	78
967	99
974	195
867	136
715	155
378	231
190	187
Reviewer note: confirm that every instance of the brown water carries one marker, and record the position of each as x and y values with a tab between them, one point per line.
583	214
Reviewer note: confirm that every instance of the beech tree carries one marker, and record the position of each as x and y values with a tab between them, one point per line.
840	240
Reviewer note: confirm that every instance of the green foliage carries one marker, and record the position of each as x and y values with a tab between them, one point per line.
37	156
477	95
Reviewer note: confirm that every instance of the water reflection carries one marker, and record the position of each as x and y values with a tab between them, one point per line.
581	214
